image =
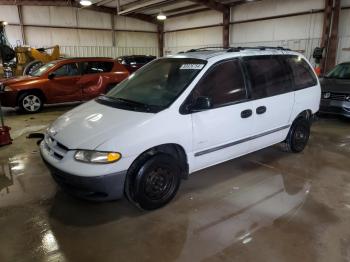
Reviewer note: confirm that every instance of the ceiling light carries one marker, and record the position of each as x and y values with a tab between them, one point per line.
3	22
161	16
85	2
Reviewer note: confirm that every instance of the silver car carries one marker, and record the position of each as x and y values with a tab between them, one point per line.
336	91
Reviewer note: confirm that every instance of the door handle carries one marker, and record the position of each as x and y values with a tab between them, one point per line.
246	113
261	110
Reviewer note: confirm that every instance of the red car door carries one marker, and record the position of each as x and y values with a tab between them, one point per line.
96	78
64	84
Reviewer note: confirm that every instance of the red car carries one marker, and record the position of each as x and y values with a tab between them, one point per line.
66	80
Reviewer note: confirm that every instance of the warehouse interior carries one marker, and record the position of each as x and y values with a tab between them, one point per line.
268	205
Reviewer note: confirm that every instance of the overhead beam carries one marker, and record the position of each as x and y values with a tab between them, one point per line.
179	9
70	3
145	18
212	5
145	5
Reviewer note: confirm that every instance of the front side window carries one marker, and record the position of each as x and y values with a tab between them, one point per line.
302	73
71	69
341	71
224	84
157	84
268	76
96	67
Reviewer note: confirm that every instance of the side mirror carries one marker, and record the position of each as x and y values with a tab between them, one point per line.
202	103
51	76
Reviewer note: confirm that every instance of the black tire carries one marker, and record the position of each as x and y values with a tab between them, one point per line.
32	67
298	136
155	182
30	102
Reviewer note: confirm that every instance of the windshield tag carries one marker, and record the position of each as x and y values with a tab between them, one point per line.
191	67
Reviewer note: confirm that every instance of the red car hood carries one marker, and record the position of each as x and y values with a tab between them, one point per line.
17	80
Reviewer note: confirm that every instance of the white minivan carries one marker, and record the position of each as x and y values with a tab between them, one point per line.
178	115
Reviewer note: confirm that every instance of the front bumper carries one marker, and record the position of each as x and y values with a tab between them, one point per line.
97	188
335	107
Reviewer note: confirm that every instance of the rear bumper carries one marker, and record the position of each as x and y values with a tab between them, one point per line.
9	98
99	188
335	107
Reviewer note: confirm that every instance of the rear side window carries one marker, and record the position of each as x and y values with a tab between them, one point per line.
302	73
97	67
71	69
224	84
268	76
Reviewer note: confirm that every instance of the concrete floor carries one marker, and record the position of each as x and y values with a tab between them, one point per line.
267	206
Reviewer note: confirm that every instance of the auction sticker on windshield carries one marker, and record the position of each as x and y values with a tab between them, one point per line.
192	66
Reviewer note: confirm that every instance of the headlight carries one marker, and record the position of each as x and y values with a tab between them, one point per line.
326	95
97	157
7	89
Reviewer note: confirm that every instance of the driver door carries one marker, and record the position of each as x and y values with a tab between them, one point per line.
64	85
222	132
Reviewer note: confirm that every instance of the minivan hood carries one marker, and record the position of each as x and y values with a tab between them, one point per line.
17	80
91	124
334	85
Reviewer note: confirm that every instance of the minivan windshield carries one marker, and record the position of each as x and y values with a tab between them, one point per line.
156	85
341	71
43	69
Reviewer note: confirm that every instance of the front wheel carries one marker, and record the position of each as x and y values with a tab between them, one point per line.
155	182
298	136
30	103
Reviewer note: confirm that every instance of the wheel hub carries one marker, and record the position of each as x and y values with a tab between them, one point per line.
158	183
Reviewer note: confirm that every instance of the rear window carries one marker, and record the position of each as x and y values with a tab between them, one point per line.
95	67
302	73
268	76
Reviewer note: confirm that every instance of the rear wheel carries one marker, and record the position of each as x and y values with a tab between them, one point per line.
155	182
298	136
30	103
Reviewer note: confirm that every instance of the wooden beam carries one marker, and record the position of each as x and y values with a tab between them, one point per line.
113	30
20	16
212	5
226	28
332	48
161	40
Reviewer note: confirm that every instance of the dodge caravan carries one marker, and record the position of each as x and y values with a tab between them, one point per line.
180	114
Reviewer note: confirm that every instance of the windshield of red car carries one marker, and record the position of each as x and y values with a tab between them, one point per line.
43	69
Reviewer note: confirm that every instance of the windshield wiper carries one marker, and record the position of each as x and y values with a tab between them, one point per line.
132	104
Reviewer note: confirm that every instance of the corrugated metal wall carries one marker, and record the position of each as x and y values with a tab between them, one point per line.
184	40
80	32
302	32
344	31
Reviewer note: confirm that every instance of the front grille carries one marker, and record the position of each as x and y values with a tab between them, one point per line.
337	96
56	149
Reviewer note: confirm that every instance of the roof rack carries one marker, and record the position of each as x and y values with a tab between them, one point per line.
206	49
240	48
